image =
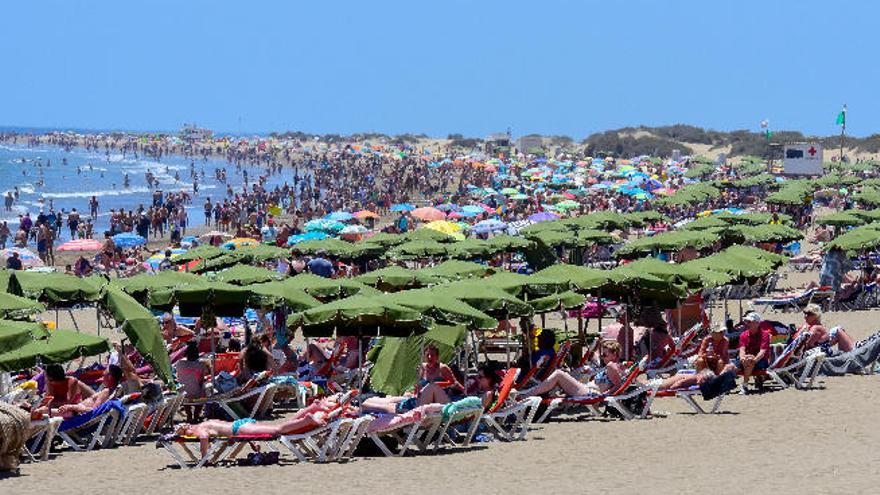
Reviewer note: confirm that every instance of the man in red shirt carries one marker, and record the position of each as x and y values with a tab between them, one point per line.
754	349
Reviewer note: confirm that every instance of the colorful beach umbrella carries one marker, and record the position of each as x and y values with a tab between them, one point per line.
128	240
27	257
402	207
239	242
428	214
339	216
81	245
362	214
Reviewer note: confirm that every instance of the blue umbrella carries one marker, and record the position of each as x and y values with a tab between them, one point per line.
324	225
488	226
447	207
128	240
472	209
308	236
339	216
469	214
402	207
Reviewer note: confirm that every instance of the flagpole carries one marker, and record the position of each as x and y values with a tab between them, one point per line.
842	132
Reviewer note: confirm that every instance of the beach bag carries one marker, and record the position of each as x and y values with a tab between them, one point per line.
719	385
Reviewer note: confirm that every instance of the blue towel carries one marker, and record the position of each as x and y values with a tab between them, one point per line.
81	419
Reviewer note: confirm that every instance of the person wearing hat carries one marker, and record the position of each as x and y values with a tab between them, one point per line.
713	354
754	349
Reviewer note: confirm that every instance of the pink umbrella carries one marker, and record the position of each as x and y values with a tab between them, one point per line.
428	214
454	215
81	245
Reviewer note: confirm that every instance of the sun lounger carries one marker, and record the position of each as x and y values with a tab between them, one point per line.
163	415
96	428
787	370
509	420
416	428
678	356
793	301
43	432
321	443
233	403
862	359
616	399
688	396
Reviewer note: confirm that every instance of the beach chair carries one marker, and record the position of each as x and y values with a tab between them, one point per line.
233	403
163	414
688	396
459	423
42	433
862	359
96	428
794	301
615	399
510	420
131	424
414	428
678	357
320	443
786	370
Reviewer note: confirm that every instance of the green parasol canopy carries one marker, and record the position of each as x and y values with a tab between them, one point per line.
419	249
396	359
246	275
12	306
59	346
858	239
383	239
518	284
566	300
141	328
14	334
427	235
456	270
200	252
488	298
55	289
275	293
472	248
579	278
668	241
508	243
443	308
327	288
396	278
332	247
156	291
841	219
355	314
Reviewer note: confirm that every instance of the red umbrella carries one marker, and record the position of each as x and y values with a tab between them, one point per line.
81	245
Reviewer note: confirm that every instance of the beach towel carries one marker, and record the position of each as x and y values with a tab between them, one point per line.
81	419
453	408
863	355
14	425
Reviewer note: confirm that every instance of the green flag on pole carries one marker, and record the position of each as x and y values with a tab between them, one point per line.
841	117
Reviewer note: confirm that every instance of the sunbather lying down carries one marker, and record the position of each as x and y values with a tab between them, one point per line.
315	415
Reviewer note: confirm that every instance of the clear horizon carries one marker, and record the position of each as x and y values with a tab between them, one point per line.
569	68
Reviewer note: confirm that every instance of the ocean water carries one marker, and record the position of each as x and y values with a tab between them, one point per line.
43	178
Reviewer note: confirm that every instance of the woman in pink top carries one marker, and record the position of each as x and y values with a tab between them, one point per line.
191	374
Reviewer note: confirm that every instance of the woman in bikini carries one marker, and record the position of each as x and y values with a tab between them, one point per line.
607	379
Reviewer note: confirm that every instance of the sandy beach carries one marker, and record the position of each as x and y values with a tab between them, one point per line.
791	441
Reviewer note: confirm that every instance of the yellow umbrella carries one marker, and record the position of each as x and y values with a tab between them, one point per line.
443	226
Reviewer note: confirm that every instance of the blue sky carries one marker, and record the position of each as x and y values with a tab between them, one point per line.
472	67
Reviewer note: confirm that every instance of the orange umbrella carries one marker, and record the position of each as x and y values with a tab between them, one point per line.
428	214
365	214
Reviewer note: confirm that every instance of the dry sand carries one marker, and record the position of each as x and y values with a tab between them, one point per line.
819	441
